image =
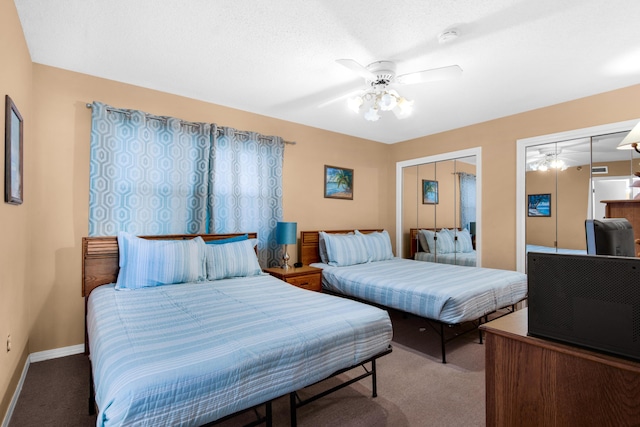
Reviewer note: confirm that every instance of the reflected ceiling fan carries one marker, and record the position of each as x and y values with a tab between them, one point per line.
377	96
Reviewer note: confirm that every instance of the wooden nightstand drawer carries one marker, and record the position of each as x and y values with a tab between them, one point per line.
308	281
304	277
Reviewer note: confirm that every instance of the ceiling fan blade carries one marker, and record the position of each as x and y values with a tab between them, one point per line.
356	68
443	73
340	98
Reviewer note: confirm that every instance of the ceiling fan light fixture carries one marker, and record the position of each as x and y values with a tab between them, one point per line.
404	108
372	115
355	103
388	101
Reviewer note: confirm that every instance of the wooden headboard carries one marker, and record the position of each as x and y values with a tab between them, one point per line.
309	244
100	256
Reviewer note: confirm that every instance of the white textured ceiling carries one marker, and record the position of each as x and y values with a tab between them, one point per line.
277	57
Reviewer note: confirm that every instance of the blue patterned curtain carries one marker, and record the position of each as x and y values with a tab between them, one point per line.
467	199
148	174
246	187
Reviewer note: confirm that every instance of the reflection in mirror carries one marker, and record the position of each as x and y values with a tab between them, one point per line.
565	184
446	212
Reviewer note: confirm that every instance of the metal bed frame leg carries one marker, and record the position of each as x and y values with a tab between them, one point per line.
269	414
92	394
374	379
442	343
293	408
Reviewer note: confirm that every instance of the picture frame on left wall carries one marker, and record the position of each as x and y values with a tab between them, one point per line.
13	135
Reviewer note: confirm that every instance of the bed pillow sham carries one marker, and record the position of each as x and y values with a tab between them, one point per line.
234	259
322	246
464	244
147	263
378	244
445	244
345	249
424	240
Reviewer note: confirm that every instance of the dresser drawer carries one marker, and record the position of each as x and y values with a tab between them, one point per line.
313	282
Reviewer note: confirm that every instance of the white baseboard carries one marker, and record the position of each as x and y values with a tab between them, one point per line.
56	352
38	357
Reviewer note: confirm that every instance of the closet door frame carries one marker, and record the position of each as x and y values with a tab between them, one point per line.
454	155
521	166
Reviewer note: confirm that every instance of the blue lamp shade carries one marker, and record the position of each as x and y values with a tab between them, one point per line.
286	233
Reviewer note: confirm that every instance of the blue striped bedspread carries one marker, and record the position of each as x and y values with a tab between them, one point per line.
467	259
192	353
448	293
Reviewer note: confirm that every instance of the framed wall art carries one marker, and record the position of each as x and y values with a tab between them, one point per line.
429	192
539	205
13	133
338	183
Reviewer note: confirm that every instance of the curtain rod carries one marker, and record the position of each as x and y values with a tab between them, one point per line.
89	105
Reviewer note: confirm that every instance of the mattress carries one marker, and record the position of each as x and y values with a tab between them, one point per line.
467	259
447	293
192	353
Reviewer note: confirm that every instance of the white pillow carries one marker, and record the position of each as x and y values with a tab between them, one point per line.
345	249
146	263
378	245
235	259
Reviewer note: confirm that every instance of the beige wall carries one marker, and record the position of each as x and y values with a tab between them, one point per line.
15	81
497	138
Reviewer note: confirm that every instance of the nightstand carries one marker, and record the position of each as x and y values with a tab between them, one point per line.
304	277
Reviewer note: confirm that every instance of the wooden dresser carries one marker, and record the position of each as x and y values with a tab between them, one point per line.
629	209
536	382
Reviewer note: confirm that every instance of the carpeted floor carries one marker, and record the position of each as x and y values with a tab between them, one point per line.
414	388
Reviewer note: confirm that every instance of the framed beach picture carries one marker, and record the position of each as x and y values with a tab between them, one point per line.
338	183
429	192
13	153
539	205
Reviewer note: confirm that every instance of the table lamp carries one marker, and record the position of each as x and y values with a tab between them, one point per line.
286	234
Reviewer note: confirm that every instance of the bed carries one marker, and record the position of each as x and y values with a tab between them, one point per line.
420	251
195	352
443	294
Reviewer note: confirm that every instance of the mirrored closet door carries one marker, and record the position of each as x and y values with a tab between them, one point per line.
568	181
438	218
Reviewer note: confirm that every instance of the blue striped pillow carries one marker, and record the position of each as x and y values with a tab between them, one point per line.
464	243
146	263
235	259
378	245
345	249
444	242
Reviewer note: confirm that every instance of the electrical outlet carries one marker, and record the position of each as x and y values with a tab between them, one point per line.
8	343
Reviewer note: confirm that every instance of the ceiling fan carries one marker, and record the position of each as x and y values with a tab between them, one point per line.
377	96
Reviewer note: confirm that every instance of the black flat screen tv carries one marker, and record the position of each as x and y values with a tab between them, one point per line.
610	236
591	301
